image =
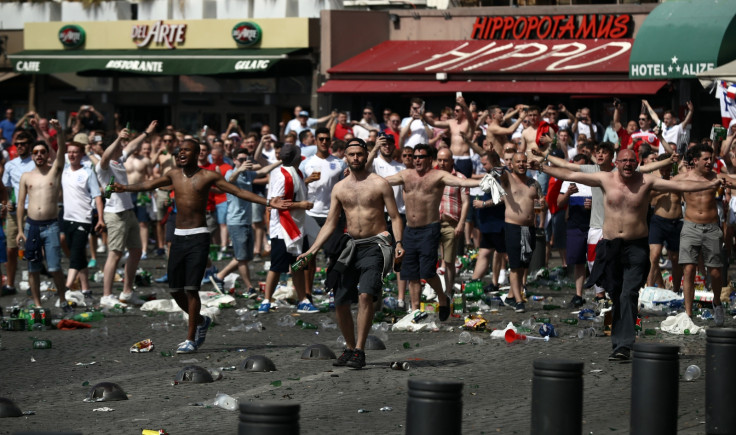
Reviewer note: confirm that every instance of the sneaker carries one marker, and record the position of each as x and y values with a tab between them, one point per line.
621	355
718	315
7	290
110	301
187	347
207	273
130	299
306	308
144	256
92	263
101	249
65	307
520	308
343	359
87	294
160	252
401	305
163	280
490	288
577	301
251	293
509	302
201	333
666	264
444	311
503	278
264	308
357	359
219	283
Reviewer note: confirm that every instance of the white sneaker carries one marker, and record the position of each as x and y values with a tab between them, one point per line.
502	277
666	264
101	249
131	299
110	301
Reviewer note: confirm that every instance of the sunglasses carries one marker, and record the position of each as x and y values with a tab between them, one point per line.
642	119
25	144
406	155
420	156
39	152
322	139
243	160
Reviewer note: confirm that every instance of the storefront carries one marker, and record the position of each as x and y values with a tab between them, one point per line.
187	73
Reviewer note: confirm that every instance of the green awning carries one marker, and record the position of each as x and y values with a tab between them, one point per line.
151	62
681	38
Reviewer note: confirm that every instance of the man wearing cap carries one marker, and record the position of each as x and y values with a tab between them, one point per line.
368	253
304	122
287	228
11	179
41	229
190	248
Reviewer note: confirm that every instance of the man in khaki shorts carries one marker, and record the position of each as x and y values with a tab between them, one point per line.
454	209
122	225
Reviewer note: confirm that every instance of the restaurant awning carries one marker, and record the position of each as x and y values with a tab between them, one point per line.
151	62
682	38
573	87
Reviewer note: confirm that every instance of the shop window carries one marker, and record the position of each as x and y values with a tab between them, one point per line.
204	84
146	84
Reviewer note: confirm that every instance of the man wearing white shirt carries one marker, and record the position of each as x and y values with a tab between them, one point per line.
414	130
671	132
303	122
367	123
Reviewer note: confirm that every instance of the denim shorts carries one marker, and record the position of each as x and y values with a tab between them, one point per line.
51	247
242	238
221	210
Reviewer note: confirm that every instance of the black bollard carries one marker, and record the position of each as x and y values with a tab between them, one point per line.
434	408
654	387
268	418
557	397
720	380
538	255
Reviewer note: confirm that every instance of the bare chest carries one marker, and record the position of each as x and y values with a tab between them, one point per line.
414	184
38	182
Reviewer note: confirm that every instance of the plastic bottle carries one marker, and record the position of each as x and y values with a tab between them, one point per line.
586	333
465	338
255	326
287	321
226	402
692	373
42	344
89	316
328	323
249	316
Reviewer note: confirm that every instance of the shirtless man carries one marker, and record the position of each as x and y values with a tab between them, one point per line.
140	168
423	188
41	229
496	133
166	162
190	248
622	257
529	135
664	227
362	195
701	233
463	122
520	234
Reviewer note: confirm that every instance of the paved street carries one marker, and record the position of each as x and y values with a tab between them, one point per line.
496	376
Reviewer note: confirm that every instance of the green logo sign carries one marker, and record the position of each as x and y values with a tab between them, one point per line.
247	33
71	36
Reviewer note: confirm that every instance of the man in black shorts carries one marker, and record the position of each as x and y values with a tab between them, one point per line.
368	253
190	247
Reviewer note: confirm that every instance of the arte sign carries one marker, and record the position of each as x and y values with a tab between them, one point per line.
160	33
599	26
247	33
71	36
672	70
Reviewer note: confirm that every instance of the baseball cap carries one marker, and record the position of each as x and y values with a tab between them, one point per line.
81	138
291	155
304	113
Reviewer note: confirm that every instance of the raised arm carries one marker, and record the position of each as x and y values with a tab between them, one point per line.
135	143
451	180
652	113
380	140
680	185
540	158
657	165
268	168
594	179
162	181
472	144
397	179
222	184
689	117
499	130
110	150
61	152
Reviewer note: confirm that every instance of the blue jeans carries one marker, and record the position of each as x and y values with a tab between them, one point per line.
51	248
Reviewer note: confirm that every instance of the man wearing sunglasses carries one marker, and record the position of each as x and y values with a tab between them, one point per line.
11	179
644	134
423	189
40	230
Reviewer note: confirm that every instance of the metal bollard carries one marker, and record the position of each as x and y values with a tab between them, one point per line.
268	418
557	397
434	408
654	387
720	380
537	260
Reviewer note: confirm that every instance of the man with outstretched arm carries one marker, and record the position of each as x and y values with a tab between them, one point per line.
368	253
622	257
190	248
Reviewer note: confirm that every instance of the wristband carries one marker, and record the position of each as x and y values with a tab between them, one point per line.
268	202
399	241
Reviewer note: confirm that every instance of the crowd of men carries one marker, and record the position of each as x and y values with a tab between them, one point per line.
374	195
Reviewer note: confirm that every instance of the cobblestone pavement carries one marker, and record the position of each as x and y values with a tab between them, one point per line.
497	377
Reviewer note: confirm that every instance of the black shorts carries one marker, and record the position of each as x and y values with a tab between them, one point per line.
663	231
187	261
389	227
281	260
464	166
495	241
363	276
77	235
170	227
513	245
420	252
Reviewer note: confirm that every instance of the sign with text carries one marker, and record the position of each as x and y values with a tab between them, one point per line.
675	68
168	35
71	36
598	26
559	56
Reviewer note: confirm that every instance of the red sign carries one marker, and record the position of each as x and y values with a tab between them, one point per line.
429	57
598	26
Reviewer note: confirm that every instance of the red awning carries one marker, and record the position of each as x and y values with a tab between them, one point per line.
501	56
619	87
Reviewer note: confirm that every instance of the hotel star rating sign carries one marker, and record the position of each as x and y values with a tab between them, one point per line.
673	70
